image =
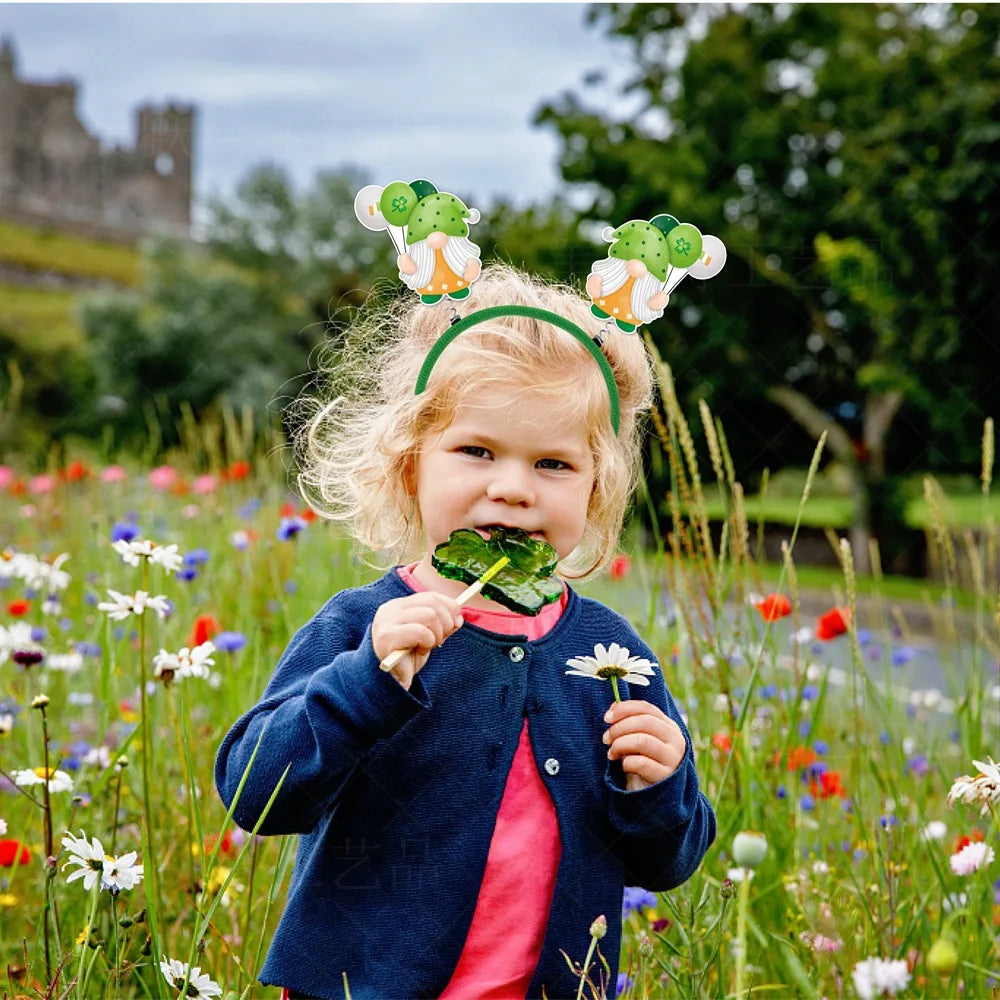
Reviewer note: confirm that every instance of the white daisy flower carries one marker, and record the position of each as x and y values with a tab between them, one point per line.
59	781
184	663
981	788
614	661
200	986
802	636
3	827
122	605
935	830
132	552
87	855
38	574
98	757
121	873
68	662
740	874
879	977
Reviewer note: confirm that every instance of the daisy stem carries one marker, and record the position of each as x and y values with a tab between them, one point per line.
47	815
614	688
153	896
741	933
87	931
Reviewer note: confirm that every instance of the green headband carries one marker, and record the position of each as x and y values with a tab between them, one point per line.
483	315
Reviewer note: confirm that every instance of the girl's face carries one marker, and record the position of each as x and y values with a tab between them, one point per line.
516	464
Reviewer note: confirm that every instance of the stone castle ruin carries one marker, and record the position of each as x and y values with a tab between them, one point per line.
52	170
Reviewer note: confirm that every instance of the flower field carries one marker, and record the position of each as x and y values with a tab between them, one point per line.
143	610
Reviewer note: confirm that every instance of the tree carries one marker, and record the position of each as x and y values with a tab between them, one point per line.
849	157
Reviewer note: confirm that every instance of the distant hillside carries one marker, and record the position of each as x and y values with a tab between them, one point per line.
43	272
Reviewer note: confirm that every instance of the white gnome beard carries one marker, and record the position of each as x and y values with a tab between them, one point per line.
642	291
612	272
423	257
458	251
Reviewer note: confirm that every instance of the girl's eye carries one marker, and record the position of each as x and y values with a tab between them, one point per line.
553	463
475	450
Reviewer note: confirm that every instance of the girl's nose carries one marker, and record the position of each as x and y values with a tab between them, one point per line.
511	484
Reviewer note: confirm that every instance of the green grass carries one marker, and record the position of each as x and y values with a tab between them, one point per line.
74	256
40	321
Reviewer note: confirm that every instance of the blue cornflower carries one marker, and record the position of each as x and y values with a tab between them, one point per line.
65	624
71	763
196	557
768	691
780	791
864	636
249	508
919	765
902	656
804	726
624	983
888	821
88	648
911	710
636	899
229	642
186	573
821	747
810	692
807	803
289	528
124	531
884	738
815	769
38	633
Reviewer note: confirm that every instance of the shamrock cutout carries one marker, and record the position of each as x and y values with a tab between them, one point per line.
399	204
524	585
682	246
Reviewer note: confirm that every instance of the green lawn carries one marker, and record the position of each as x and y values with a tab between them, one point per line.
41	321
76	257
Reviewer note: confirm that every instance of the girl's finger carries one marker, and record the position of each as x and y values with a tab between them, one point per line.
645	745
662	728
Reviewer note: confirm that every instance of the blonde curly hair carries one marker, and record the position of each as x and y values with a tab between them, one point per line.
358	450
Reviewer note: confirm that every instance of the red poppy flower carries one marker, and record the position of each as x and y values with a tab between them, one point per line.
832	624
226	846
974	837
773	607
308	514
238	470
620	567
18	608
828	786
205	626
799	758
12	852
722	741
75	471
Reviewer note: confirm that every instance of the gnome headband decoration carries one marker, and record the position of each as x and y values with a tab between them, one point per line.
646	262
430	230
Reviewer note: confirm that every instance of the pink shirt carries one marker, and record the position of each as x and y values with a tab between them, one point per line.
512	911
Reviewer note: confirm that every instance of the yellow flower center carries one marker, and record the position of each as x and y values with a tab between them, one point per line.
44	772
611	671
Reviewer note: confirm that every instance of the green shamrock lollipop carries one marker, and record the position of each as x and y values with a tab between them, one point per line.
525	584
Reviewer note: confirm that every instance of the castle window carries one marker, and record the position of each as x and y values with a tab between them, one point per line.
164	164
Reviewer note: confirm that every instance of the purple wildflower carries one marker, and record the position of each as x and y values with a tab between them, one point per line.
289	528
902	656
124	531
636	899
196	557
229	642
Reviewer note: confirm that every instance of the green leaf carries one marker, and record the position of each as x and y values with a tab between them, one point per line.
525	584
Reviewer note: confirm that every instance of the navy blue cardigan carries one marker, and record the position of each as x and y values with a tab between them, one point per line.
396	793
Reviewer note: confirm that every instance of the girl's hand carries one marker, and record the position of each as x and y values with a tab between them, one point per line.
418	623
650	744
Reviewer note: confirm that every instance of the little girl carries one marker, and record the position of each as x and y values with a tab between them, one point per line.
466	817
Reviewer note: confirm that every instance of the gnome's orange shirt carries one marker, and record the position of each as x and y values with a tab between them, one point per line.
618	304
444	279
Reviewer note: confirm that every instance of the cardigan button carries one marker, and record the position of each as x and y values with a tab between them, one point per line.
552	766
516	654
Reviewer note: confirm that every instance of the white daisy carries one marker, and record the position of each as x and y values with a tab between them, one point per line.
69	662
879	977
40	575
121	873
981	788
166	556
612	662
935	830
185	662
59	781
98	757
87	855
122	605
200	986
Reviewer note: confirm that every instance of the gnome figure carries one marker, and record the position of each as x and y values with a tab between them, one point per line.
440	258
629	285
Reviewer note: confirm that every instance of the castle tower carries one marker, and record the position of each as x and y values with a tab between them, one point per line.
164	138
8	119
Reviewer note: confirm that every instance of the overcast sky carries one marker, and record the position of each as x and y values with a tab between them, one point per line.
445	91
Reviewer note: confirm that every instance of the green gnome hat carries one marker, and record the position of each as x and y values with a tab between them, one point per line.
438	212
645	241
